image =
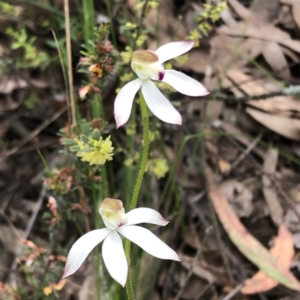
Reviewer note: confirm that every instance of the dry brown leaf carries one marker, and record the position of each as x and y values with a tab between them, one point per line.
239	197
266	32
290	54
266	11
287	127
280	104
240	9
224	166
269	168
227	18
246	243
274	56
223	50
291	219
286	18
200	272
290	2
296	13
283	250
240	136
258	283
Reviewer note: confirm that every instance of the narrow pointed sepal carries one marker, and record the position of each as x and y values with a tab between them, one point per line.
159	105
149	242
145	215
124	101
173	49
82	248
184	84
114	258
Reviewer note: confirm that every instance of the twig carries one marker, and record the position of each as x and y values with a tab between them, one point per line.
213	213
202	292
233	292
28	229
34	133
246	152
50	142
194	262
69	56
286	198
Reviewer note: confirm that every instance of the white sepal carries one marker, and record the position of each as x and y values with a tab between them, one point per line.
124	100
159	104
82	248
145	215
184	84
148	241
114	258
173	49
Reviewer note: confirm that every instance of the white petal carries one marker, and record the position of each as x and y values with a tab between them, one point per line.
159	104
184	84
82	248
124	100
114	258
148	242
173	49
145	215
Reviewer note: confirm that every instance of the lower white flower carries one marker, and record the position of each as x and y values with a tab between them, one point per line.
148	65
116	221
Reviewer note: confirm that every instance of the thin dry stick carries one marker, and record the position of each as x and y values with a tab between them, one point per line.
69	56
246	152
34	133
28	229
286	198
233	292
193	264
213	214
64	74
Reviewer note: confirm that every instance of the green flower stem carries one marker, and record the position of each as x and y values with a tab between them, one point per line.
137	187
144	154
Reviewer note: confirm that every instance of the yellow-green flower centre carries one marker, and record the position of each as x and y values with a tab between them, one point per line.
146	65
112	213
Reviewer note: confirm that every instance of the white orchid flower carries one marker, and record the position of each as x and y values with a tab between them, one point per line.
116	221
148	65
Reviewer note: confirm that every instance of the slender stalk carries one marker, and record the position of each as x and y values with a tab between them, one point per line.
89	19
137	187
139	27
112	27
69	56
144	154
129	286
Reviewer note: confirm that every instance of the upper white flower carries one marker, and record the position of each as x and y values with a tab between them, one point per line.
148	65
116	221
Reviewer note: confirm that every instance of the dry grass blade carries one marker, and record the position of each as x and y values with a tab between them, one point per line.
69	55
269	167
247	244
283	250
